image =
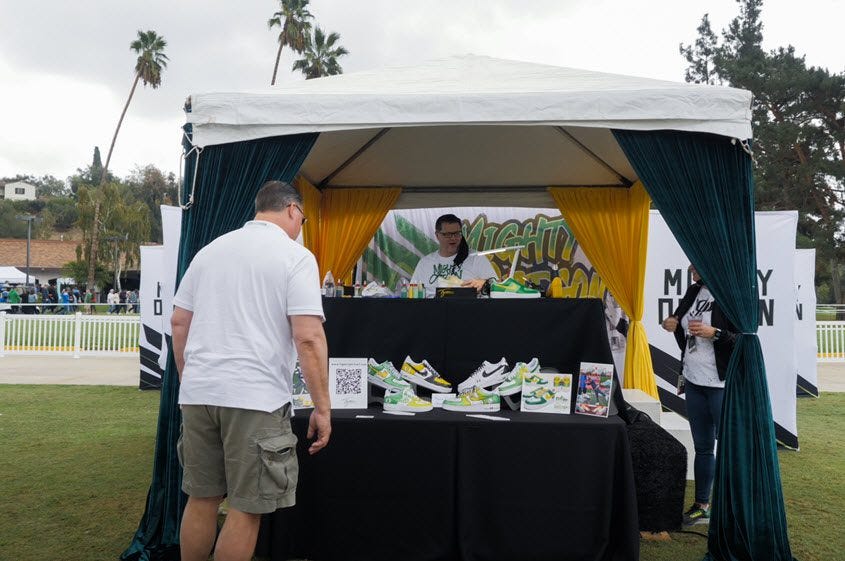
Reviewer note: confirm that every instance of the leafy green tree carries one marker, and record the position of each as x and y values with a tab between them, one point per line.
320	57
91	175
10	226
149	66
64	212
294	22
798	115
154	188
118	214
79	269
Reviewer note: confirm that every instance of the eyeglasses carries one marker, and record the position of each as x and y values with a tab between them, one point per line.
451	235
304	220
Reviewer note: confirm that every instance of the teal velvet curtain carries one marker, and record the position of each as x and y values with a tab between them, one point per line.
228	177
704	188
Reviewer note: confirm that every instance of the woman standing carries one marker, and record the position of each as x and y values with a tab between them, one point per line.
706	339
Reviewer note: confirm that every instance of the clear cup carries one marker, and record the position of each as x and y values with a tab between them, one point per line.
693	322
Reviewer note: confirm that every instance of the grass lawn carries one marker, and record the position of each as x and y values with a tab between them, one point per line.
76	467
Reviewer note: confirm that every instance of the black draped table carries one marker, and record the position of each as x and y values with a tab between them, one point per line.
443	486
457	335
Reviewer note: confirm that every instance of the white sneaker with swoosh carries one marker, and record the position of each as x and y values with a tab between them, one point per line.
486	375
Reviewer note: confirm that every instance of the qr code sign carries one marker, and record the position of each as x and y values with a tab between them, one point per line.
348	381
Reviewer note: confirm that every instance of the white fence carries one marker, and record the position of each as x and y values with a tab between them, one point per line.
73	335
831	341
90	335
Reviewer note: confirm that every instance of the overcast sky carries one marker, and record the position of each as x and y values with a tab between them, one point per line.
66	67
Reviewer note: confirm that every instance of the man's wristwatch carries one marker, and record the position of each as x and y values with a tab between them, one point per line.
717	334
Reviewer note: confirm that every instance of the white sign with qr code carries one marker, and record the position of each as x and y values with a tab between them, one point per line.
348	383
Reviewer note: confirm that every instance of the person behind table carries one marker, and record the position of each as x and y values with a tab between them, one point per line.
452	259
235	359
706	349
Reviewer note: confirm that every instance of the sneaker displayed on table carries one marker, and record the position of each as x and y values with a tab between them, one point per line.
382	375
486	375
534	379
513	379
405	400
512	288
423	374
474	400
696	515
538	399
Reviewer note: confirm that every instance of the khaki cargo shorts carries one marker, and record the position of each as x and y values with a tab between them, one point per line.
248	455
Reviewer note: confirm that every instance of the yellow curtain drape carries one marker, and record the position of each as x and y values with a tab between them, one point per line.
311	197
349	219
612	227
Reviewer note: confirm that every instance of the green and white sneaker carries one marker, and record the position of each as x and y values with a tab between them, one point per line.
513	379
538	399
405	400
473	400
385	375
512	288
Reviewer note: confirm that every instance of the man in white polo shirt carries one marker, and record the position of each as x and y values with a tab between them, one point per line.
235	358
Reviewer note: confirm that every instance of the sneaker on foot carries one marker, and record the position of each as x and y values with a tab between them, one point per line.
513	379
382	375
486	375
423	374
405	400
474	400
696	515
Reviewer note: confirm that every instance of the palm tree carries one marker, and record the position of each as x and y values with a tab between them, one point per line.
293	20
321	56
148	68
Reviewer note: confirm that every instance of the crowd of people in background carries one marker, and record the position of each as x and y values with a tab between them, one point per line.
47	299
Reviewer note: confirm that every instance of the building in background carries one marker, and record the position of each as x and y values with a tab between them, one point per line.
18	191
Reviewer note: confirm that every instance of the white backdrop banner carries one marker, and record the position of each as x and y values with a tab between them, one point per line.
806	345
171	226
151	337
667	280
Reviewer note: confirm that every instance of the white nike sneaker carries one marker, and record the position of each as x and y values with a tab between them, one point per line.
486	375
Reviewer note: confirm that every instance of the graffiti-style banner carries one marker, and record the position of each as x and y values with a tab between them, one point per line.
550	248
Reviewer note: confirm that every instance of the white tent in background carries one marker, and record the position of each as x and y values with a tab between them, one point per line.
13	275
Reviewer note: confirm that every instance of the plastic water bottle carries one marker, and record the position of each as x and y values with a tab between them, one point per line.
328	285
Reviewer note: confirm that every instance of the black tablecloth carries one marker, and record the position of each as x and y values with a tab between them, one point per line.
443	486
457	335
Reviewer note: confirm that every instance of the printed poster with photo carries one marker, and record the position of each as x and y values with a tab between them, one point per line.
547	393
595	384
299	391
348	383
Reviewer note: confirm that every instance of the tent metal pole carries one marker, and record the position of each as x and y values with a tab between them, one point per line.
324	183
594	156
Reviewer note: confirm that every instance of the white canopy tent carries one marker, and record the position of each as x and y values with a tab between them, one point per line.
469	130
12	275
479	131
